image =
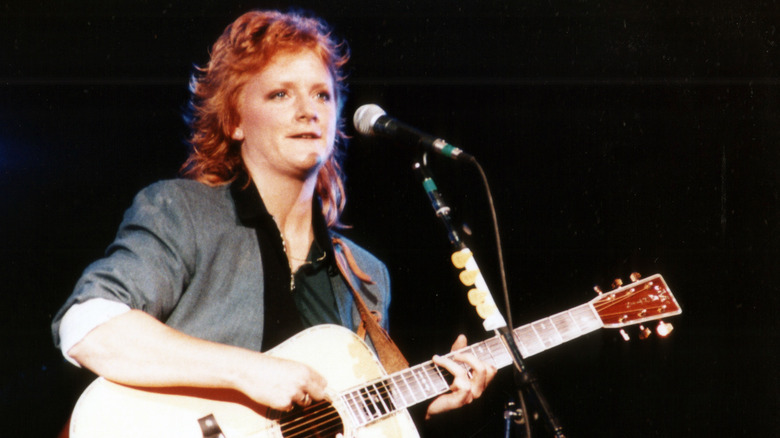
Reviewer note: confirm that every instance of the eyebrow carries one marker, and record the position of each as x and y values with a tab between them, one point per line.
292	84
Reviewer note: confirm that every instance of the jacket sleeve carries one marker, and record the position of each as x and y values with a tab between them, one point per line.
150	261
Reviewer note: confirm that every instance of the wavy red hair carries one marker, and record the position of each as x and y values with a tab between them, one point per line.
243	49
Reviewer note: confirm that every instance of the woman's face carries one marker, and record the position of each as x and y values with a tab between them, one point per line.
288	116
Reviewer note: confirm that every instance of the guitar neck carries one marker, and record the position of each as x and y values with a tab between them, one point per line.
427	380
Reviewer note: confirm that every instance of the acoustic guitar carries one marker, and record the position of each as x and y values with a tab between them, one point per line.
363	401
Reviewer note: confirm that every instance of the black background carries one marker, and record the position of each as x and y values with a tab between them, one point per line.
618	136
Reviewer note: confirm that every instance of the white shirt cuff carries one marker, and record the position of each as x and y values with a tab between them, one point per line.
81	318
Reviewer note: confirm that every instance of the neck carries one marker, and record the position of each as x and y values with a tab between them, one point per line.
289	201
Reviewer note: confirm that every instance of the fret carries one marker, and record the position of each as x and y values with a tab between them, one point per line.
408	387
593	316
418	390
529	343
398	392
443	384
428	387
375	401
350	409
417	385
372	401
519	342
353	410
385	396
415	399
586	318
547	333
374	410
482	352
566	326
358	411
503	358
363	406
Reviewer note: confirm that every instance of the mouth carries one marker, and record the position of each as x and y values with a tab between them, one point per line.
307	136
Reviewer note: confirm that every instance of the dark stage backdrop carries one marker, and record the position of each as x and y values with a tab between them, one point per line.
618	136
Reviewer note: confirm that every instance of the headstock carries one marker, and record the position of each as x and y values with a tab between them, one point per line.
641	301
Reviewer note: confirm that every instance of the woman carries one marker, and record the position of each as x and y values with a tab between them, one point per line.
208	272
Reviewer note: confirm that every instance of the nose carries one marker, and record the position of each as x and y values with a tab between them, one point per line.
306	111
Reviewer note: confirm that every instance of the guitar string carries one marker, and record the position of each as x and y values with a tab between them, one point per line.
303	422
388	389
309	422
315	422
630	293
376	408
316	430
431	373
618	299
429	369
384	391
324	420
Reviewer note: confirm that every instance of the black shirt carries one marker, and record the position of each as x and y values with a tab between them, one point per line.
292	302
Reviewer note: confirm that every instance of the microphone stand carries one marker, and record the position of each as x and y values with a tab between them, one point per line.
524	381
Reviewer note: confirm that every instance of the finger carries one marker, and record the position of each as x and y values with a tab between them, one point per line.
312	384
448	363
305	400
461	391
460	342
477	368
478	372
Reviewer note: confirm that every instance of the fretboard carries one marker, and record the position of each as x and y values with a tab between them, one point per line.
419	383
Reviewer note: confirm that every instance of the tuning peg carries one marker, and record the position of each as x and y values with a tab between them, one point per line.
616	283
598	290
664	329
624	335
461	258
644	332
635	276
468	278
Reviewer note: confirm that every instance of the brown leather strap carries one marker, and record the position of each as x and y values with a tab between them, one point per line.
361	330
389	354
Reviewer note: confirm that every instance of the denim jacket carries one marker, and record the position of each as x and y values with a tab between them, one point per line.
182	255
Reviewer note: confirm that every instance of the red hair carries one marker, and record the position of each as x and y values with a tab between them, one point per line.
243	49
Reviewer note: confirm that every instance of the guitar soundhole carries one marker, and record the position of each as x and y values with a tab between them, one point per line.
320	420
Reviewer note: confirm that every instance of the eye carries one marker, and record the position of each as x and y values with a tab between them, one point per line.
277	95
324	96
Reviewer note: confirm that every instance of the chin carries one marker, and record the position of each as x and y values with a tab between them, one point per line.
312	164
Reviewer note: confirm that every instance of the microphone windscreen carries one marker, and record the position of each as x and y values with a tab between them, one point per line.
365	117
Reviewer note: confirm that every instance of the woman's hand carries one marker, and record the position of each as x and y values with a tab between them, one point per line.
136	349
465	388
281	384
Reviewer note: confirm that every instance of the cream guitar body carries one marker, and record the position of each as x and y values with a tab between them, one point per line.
109	410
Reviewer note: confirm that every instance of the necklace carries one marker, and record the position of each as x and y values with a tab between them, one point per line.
289	265
291	257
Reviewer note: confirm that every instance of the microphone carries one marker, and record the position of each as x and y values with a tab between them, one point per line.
372	120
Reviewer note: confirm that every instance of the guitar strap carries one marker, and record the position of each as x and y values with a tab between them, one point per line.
391	357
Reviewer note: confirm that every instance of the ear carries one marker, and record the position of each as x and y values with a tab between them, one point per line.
238	134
